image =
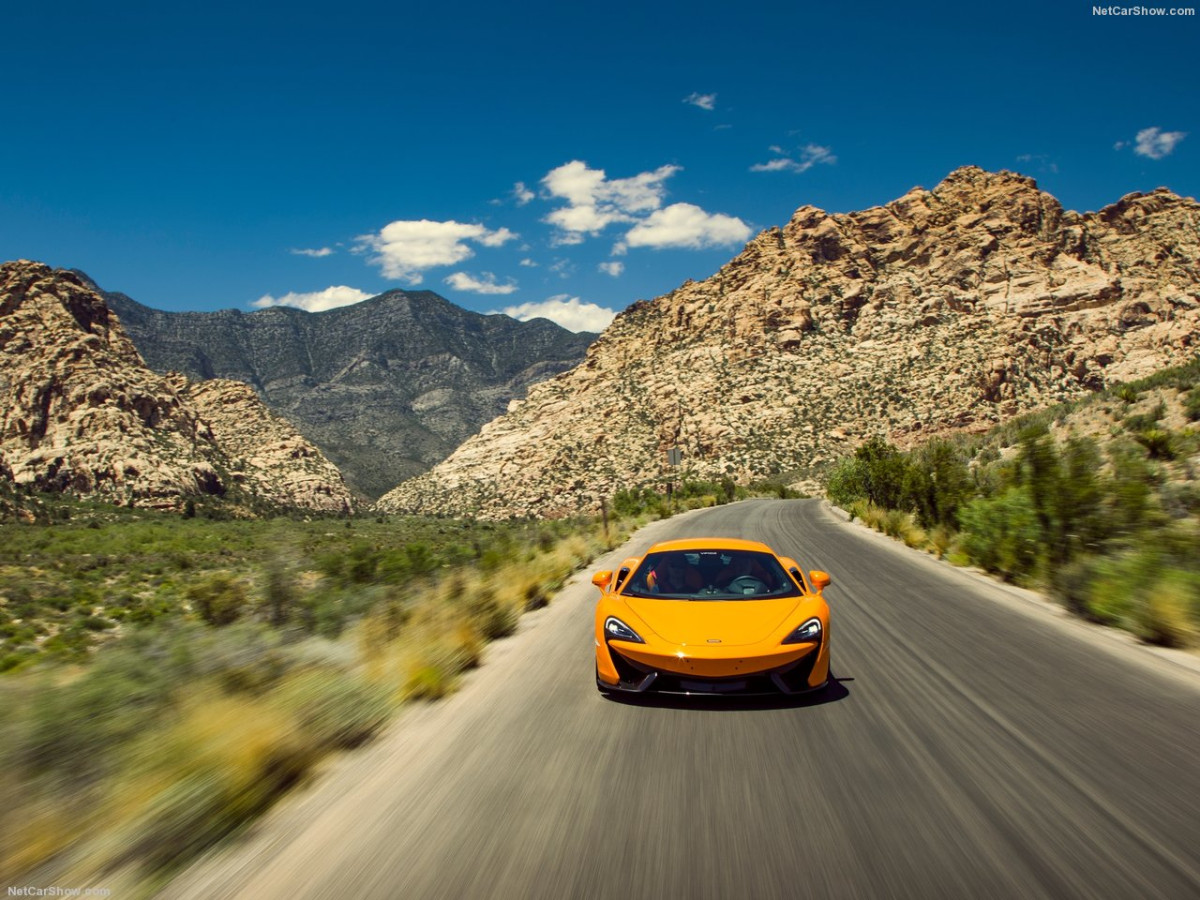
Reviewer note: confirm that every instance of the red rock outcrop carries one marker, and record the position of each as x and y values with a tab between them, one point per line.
947	309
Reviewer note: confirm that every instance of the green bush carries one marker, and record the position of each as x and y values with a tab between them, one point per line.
1118	586
1191	405
492	618
1157	442
1001	533
334	709
77	727
1145	421
937	483
219	598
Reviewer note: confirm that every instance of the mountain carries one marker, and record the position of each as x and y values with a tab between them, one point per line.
944	310
386	387
82	413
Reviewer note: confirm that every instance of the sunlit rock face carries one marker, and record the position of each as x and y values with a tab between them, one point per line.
82	414
945	310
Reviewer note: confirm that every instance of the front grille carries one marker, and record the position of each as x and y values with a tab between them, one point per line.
790	680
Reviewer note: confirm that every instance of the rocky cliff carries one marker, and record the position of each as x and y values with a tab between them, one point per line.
947	309
82	414
386	387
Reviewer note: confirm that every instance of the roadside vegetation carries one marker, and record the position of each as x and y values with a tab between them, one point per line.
1096	502
166	676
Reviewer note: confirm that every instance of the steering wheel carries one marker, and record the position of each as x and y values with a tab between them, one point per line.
747	584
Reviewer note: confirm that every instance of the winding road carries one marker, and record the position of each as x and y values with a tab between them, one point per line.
977	743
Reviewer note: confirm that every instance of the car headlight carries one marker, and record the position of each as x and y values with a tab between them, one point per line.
616	630
809	631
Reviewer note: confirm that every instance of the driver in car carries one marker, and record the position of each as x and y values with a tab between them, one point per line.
742	565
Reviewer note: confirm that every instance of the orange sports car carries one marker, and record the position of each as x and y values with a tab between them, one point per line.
711	616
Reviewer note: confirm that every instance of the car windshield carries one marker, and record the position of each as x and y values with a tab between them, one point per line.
711	575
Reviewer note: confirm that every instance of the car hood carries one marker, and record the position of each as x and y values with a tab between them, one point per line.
703	622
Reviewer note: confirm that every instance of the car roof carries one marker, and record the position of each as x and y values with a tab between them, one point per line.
715	543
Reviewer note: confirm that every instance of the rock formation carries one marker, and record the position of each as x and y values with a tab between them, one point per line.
82	414
386	387
943	310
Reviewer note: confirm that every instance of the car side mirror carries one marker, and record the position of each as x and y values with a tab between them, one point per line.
820	580
602	579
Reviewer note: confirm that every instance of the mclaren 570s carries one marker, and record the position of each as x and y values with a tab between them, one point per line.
711	616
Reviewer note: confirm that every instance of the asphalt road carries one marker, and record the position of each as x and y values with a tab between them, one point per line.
976	744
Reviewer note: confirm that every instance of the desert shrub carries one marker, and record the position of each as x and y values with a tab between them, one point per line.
1191	405
246	658
845	484
1145	421
1001	533
1150	588
226	761
1116	589
493	618
77	727
936	483
70	644
1170	614
421	558
939	541
219	598
882	470
334	709
1126	392
893	523
1128	504
280	594
1157	442
359	563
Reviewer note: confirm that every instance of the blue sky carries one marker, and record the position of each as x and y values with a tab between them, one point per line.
543	156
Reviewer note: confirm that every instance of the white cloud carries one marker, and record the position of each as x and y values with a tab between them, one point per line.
315	254
594	201
567	239
317	301
485	284
569	312
521	193
405	249
1155	143
686	225
774	165
704	101
614	268
810	155
529	263
497	238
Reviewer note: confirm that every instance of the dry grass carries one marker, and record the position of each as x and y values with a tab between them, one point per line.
1167	614
230	746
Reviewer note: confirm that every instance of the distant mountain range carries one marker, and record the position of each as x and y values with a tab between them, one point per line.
386	388
947	309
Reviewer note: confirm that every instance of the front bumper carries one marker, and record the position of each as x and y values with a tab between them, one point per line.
787	671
